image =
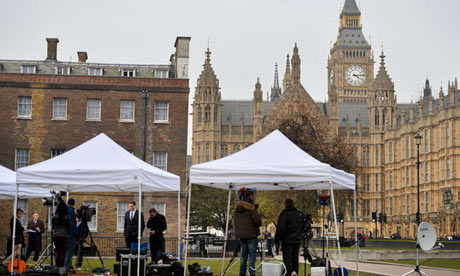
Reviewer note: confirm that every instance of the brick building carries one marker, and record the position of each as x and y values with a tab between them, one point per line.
48	107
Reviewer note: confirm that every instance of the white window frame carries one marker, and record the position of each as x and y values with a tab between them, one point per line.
121	211
133	110
24	205
56	152
129	72
25	69
95	71
161	74
26	116
161	108
24	163
159	154
160	207
64	70
92	225
54	117
87	109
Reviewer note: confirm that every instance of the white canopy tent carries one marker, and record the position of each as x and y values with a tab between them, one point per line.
272	163
100	165
8	187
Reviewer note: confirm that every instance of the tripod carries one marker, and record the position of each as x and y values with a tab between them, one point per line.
82	236
416	270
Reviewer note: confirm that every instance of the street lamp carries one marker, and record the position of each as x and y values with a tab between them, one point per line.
418	141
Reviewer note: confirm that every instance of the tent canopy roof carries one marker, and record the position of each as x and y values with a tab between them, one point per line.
272	163
8	187
98	165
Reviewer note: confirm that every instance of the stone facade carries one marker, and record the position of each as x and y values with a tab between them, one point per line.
41	134
363	109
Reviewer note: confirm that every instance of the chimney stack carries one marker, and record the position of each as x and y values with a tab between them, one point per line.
52	49
82	56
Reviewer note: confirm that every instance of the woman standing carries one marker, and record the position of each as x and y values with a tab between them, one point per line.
61	227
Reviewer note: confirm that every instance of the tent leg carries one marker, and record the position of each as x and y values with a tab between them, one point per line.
14	225
336	226
187	234
356	231
226	230
139	231
178	225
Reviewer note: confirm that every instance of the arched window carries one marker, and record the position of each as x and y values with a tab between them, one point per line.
215	114
207	152
200	114
207	114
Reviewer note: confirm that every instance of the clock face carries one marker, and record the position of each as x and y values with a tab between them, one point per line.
355	75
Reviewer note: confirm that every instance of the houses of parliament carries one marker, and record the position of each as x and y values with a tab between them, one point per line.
362	107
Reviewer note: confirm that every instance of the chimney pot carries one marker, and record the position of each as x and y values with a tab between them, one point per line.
52	49
82	56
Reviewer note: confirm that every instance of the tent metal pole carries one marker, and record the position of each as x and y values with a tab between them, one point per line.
187	234
226	229
336	226
14	226
139	229
356	231
178	224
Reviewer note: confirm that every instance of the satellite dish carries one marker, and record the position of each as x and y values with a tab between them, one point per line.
426	237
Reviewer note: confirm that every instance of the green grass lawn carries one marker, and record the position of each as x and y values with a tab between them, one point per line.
453	264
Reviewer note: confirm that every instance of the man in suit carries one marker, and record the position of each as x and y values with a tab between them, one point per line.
132	224
35	238
19	237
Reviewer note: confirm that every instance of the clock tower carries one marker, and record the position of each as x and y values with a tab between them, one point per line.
350	63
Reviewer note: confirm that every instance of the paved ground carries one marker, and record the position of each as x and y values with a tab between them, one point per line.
396	269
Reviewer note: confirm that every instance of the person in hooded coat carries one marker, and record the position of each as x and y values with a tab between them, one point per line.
247	223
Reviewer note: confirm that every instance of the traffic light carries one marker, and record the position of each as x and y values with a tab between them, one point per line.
380	217
340	217
374	216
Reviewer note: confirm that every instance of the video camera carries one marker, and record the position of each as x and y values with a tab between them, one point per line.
307	220
55	196
85	213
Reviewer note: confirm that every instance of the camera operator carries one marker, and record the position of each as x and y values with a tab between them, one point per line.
247	223
289	231
82	229
156	224
131	226
35	237
19	237
61	226
73	235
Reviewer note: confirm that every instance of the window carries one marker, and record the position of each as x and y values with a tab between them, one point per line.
215	115
366	208
160	207
426	140
390	151
447	135
215	152
22	158
407	146
199	154
223	150
122	208
92	225
24	107
160	160
391	206
23	205
376	182
161	74
59	108
93	110
427	205
207	114
448	168
377	205
426	172
407	176
200	114
391	180
56	152
95	71
207	152
236	148
28	69
127	111
407	204
63	70
128	72
376	157
161	111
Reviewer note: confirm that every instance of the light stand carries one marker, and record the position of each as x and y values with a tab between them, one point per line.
417	270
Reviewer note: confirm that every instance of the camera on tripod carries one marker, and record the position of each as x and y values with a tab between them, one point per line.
85	213
55	196
308	230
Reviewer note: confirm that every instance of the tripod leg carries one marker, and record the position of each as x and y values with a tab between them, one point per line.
95	246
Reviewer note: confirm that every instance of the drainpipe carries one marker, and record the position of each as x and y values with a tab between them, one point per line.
145	96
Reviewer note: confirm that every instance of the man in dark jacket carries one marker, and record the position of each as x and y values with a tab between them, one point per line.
131	226
156	224
247	223
19	237
289	231
73	235
35	238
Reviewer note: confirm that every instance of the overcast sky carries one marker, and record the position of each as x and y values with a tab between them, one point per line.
247	37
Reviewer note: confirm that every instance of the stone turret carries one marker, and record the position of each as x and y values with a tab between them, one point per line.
257	111
287	75
295	63
276	89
